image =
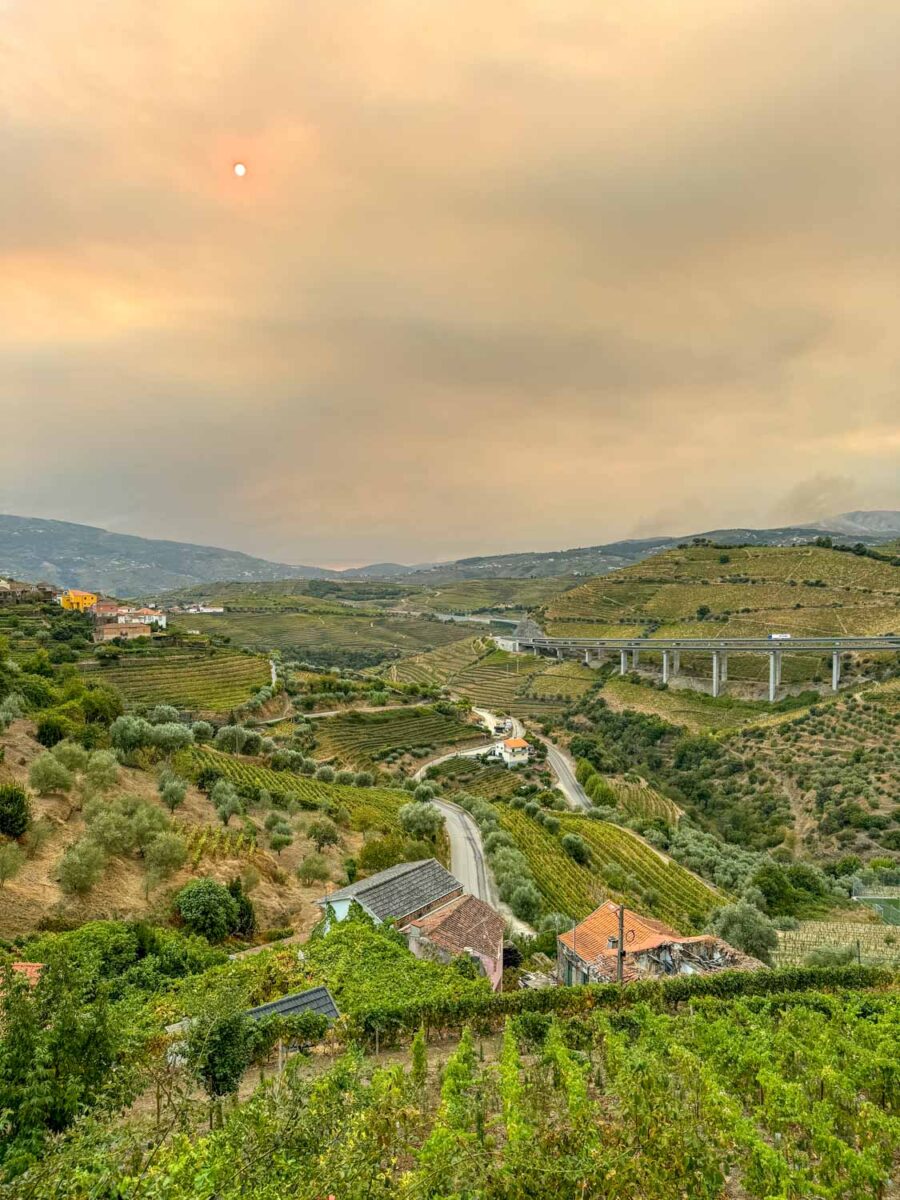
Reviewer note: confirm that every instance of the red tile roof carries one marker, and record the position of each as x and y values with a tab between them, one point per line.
31	971
466	923
591	939
516	744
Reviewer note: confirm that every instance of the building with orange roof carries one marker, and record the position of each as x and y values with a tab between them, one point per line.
514	751
589	953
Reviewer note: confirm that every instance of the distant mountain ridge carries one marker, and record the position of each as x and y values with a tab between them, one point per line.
72	555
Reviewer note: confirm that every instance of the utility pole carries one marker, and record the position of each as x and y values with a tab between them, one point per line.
620	949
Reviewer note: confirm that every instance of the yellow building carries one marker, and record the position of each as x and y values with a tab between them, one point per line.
78	601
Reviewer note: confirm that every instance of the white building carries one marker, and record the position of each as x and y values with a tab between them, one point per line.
514	751
141	616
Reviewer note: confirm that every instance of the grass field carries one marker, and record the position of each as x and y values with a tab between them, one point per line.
643	879
373	807
361	739
337	637
208	682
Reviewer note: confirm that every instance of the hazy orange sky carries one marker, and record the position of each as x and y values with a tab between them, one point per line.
500	276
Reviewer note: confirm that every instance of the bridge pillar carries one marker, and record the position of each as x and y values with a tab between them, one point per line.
715	673
676	661
835	670
772	674
634	659
723	668
665	655
587	658
778	667
559	653
623	662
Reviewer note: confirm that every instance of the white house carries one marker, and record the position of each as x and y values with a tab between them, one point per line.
141	616
514	751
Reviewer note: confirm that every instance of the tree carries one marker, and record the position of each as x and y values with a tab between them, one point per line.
207	908
165	853
325	774
170	737
52	728
15	811
72	756
219	1047
313	869
745	927
163	714
245	923
48	775
421	819
322	834
280	838
12	859
202	731
129	733
526	902
102	770
81	867
225	800
172	790
576	848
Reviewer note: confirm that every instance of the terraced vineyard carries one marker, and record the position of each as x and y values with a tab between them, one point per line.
678	893
874	943
21	629
469	775
639	799
563	680
361	739
741	591
438	667
339	636
368	807
204	682
646	881
482	595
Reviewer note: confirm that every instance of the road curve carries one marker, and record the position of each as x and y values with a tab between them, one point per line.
467	861
564	769
469	865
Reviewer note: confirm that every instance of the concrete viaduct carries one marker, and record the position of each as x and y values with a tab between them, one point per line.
718	648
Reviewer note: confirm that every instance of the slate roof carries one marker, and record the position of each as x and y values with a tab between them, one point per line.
317	999
399	890
464	923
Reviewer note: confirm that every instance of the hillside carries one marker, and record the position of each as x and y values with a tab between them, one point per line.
120	564
72	555
705	591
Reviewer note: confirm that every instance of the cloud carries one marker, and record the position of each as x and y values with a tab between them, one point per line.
494	279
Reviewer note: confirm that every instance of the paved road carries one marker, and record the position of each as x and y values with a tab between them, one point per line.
564	769
468	863
433	762
467	860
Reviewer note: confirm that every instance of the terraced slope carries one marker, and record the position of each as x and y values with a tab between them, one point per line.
622	868
203	682
361	739
739	591
336	636
368	807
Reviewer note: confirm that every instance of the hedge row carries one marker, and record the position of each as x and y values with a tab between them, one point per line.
393	1023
